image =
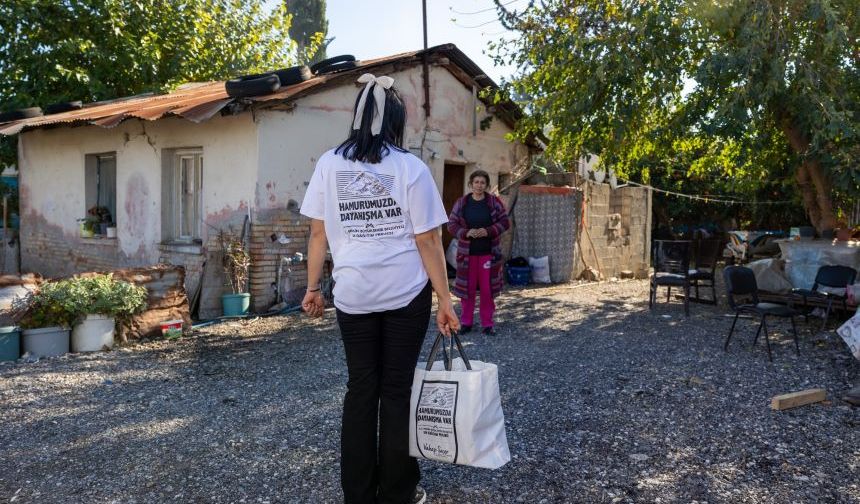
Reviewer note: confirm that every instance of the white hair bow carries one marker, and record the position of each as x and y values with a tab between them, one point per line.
381	84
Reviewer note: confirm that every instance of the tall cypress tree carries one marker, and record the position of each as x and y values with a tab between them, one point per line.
309	28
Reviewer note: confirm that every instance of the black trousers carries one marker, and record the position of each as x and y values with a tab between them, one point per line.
381	353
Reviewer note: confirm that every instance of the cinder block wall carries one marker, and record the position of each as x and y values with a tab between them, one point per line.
609	250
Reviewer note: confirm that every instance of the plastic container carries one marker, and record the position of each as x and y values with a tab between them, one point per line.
10	343
518	275
171	329
235	305
46	341
93	334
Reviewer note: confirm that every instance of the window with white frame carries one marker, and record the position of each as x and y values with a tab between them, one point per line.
182	180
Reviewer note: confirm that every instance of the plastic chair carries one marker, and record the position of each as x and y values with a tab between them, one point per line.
835	277
740	281
671	269
707	253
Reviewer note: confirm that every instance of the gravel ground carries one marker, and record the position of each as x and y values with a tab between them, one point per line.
605	402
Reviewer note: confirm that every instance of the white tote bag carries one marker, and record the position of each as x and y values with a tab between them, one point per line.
456	411
850	332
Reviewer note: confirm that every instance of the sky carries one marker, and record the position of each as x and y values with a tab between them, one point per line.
375	28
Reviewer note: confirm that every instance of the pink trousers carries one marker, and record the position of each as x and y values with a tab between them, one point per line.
479	277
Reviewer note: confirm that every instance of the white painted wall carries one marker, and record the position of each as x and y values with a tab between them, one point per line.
291	141
52	173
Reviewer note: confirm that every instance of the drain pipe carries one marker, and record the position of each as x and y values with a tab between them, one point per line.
425	64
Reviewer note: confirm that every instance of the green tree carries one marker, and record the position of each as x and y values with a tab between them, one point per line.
309	29
91	50
739	89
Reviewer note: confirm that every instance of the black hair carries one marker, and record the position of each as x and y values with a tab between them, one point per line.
479	173
361	145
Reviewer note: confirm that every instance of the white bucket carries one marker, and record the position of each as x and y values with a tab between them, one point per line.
93	334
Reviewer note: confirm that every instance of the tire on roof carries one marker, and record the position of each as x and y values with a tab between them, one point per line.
24	113
252	85
293	75
337	67
56	108
315	68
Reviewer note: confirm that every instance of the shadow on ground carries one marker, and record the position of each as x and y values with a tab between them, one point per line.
605	401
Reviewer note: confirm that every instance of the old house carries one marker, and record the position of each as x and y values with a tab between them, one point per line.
175	169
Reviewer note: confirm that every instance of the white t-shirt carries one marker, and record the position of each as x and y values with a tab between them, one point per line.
372	213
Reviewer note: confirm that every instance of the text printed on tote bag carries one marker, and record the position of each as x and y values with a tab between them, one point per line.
435	420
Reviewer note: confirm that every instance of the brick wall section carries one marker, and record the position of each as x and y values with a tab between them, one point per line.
266	253
624	249
47	250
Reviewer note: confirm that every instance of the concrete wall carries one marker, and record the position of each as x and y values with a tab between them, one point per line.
616	233
291	141
52	194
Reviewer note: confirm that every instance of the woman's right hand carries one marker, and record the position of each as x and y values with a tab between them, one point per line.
313	304
446	320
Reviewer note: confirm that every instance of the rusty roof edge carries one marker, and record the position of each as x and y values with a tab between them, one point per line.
509	112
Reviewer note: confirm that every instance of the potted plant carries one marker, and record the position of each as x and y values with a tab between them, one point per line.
10	343
236	263
101	304
45	318
88	226
102	217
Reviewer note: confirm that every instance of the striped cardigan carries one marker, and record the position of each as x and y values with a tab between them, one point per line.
458	228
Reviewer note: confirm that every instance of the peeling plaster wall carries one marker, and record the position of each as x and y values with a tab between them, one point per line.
291	141
52	186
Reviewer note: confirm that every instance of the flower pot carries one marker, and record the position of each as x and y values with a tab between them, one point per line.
111	232
85	231
235	305
93	334
10	343
103	228
46	341
844	234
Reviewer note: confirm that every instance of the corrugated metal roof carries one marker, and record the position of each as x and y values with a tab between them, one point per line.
200	101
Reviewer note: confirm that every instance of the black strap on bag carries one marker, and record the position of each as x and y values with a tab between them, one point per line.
447	355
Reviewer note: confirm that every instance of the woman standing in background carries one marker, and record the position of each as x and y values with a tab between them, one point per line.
477	221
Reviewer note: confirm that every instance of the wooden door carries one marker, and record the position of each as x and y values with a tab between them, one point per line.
453	185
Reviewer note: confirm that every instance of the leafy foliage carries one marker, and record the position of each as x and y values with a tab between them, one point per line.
66	302
91	50
309	29
740	91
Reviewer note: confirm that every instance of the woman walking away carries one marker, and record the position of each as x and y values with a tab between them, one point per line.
377	207
477	221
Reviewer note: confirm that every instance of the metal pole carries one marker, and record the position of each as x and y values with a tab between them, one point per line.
425	62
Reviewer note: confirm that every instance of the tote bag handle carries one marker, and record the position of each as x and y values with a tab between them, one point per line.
447	356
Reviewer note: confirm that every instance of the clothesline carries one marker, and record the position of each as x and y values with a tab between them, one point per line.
708	199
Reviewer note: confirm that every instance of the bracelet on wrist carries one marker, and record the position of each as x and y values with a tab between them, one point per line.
314	290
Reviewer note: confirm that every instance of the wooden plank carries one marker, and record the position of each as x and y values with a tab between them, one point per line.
795	399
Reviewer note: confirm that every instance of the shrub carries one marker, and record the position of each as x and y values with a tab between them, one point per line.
66	302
